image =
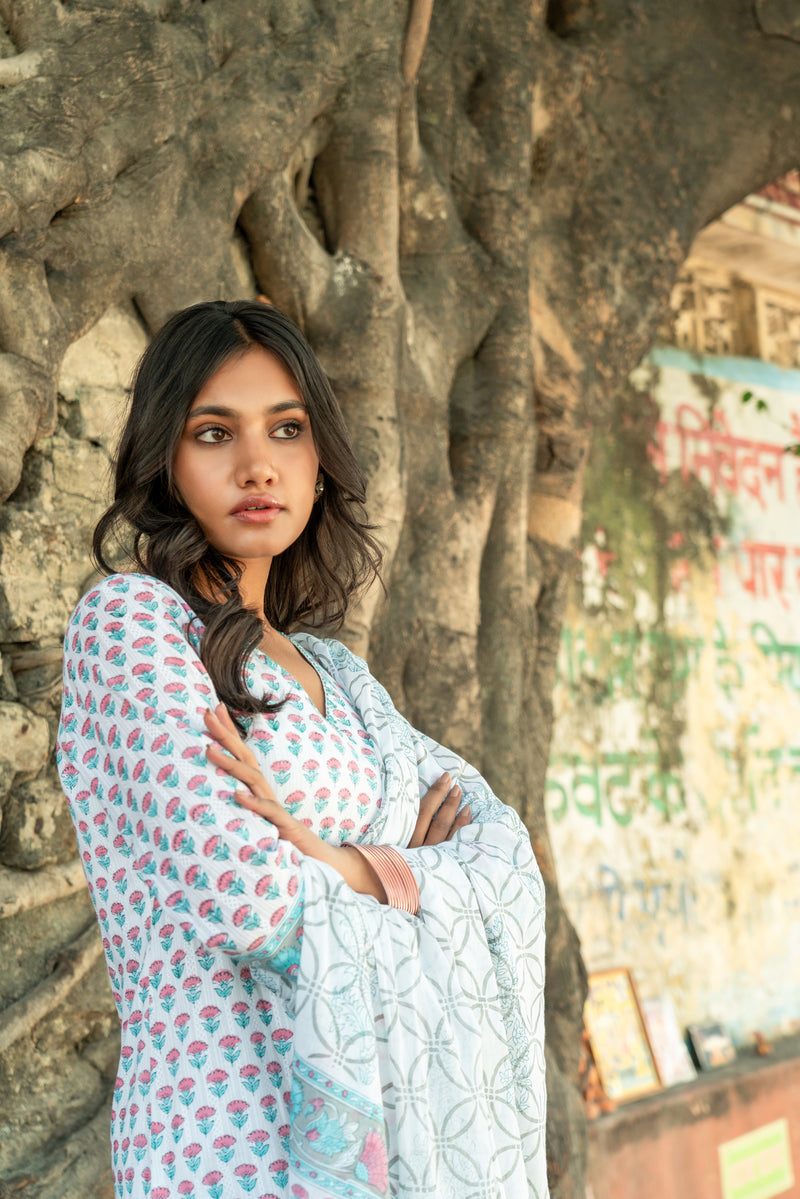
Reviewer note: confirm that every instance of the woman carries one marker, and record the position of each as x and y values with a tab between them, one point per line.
324	934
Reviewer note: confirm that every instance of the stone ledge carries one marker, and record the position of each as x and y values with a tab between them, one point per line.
672	1137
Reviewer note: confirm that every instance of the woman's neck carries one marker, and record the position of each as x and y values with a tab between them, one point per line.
253	584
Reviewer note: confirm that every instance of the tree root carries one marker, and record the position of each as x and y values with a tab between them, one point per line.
32	659
419	22
71	965
23	890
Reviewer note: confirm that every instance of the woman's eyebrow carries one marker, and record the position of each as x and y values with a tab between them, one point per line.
233	414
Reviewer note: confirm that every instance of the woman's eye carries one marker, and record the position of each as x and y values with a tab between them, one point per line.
290	430
213	435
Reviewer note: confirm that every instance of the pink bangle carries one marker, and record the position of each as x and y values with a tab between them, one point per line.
394	873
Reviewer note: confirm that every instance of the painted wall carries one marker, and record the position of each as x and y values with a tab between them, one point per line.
674	787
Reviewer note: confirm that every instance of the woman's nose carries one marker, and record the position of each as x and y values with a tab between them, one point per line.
255	462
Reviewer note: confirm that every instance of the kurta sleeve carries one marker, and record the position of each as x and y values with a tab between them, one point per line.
132	761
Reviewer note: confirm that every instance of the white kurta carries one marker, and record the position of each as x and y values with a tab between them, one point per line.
283	1035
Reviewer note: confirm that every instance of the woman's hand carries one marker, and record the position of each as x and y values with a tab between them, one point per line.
439	818
229	752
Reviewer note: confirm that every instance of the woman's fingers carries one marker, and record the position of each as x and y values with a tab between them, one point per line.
288	827
434	797
268	808
438	817
253	780
228	752
428	806
245	773
443	820
221	727
463	818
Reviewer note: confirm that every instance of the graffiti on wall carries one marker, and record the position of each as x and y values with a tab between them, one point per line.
615	785
674	777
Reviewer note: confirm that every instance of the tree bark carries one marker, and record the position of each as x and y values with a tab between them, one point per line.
476	212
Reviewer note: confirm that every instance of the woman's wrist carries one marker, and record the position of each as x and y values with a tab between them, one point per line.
365	878
356	871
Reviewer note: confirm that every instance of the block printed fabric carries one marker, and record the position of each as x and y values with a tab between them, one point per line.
283	1036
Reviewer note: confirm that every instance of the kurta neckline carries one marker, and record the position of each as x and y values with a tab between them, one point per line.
321	675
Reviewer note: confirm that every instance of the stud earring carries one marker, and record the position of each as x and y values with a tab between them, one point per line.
320	487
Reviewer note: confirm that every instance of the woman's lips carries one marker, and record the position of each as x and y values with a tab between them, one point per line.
258	516
257	509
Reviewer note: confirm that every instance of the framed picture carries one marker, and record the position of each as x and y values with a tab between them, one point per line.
669	1047
618	1036
711	1045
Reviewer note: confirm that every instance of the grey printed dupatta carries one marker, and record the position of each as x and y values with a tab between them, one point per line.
419	1041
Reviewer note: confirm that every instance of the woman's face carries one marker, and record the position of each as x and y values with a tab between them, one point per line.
246	465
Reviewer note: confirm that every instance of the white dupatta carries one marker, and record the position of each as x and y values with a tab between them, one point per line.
419	1040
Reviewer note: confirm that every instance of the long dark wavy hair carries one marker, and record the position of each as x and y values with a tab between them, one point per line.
312	581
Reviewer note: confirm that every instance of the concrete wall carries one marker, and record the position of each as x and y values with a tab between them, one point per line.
674	787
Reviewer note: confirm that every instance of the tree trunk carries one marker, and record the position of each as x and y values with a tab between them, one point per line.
475	212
